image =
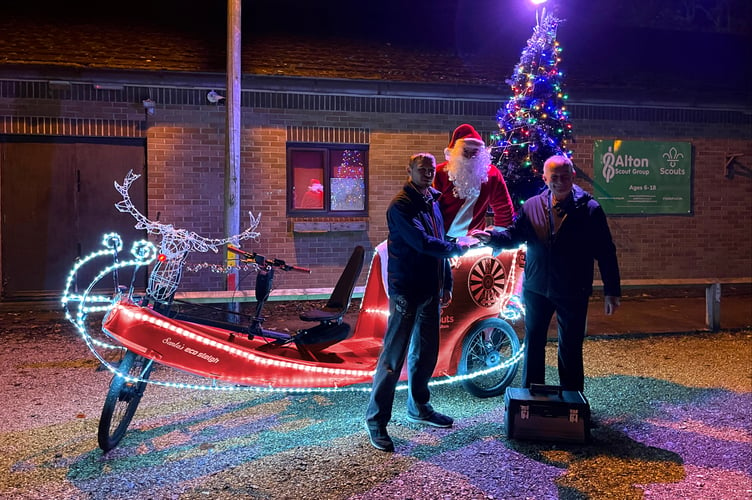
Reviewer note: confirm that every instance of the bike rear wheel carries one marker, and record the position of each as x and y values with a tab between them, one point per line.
122	400
486	352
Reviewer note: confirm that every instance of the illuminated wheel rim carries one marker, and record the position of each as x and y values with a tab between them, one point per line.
491	352
486	281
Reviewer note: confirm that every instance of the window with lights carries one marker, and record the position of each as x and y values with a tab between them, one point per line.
327	180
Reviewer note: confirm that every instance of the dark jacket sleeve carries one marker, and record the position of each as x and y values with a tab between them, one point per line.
410	225
562	265
511	236
418	259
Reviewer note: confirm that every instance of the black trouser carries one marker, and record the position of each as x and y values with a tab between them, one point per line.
571	318
413	329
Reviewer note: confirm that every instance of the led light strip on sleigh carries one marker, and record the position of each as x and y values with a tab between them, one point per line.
144	253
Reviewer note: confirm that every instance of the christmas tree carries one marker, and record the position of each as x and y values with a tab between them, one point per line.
534	123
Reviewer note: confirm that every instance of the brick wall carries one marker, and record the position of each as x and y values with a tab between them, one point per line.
185	165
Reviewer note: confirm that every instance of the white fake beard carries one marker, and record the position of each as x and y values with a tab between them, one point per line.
467	175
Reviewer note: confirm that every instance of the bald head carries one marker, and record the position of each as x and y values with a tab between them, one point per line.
558	161
558	174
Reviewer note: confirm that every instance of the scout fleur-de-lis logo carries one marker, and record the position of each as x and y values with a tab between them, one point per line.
673	157
485	281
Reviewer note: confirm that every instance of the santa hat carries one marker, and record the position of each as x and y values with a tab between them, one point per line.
465	132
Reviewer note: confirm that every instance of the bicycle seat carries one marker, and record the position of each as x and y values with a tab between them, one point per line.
336	307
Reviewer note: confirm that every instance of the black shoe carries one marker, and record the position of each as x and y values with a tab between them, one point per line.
380	439
435	419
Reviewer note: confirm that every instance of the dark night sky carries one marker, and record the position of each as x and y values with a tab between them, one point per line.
466	22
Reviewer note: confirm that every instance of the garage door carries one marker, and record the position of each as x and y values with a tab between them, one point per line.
57	200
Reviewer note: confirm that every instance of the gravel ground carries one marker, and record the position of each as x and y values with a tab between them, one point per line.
674	414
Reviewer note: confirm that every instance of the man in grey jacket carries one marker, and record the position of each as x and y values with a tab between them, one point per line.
566	232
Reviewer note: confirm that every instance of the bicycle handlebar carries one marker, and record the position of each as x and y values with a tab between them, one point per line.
263	261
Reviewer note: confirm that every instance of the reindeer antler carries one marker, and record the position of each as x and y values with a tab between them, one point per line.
176	242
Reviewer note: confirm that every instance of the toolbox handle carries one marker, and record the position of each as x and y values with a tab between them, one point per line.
546	389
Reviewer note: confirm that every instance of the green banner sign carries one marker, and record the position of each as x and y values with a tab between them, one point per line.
637	177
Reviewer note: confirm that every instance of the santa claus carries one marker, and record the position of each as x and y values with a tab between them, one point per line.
470	185
314	195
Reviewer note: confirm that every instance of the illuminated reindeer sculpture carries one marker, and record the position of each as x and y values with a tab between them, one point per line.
175	244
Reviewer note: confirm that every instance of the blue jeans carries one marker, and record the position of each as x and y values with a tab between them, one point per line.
571	318
413	330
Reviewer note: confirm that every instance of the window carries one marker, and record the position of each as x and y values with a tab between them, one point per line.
327	180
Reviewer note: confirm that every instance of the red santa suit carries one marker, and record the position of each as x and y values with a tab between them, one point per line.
462	215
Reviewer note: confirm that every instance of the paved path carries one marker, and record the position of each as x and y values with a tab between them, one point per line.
674	413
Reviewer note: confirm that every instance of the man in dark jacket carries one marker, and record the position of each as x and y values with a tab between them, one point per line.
566	231
419	282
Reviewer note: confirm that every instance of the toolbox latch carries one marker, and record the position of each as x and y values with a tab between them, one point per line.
574	415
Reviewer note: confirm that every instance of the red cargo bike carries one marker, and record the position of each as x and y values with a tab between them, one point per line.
132	334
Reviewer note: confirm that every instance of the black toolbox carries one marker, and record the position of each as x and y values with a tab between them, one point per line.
547	413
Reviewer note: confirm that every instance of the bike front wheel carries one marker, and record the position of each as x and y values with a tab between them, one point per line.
122	399
489	361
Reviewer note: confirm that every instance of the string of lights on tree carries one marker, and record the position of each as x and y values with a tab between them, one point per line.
534	123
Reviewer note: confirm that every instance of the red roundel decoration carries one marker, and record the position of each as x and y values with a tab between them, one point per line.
485	281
